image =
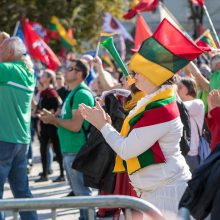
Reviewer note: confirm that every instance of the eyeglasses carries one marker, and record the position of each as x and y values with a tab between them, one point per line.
70	68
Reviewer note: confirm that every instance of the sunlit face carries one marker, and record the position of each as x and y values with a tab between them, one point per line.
143	84
71	72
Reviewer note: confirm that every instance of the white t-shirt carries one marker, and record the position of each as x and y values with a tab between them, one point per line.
197	113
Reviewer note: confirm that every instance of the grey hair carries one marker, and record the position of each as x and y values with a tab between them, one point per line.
20	52
214	61
17	46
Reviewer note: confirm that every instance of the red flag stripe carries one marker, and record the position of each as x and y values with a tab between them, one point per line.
143	5
175	41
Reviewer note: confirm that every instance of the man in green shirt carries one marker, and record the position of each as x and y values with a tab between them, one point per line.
71	125
17	83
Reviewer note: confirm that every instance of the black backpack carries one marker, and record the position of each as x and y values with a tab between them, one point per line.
186	137
86	131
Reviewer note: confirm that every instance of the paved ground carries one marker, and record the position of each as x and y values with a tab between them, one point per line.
47	189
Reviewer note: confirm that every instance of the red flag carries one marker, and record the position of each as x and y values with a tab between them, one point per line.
168	35
38	49
142	32
198	2
143	5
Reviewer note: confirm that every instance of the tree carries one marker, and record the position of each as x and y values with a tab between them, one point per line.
84	16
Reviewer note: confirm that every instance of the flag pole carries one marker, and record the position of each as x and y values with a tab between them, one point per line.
97	49
163	6
211	23
16	28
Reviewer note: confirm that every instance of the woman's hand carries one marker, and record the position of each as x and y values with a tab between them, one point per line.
95	115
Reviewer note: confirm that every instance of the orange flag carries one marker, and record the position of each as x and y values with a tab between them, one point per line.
142	32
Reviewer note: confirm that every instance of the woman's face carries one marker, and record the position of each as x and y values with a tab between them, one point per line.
144	84
182	91
124	82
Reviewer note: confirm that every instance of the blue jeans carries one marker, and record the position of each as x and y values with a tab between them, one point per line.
76	181
13	166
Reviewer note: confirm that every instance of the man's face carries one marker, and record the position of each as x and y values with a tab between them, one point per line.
71	72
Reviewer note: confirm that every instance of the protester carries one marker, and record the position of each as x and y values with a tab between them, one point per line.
17	83
213	119
72	127
50	101
149	126
187	91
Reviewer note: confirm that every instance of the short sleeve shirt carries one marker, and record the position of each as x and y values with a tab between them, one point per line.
71	142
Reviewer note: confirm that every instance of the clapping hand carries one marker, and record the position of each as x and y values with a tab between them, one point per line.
95	115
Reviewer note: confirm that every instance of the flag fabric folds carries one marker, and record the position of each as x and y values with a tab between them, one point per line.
142	32
198	2
66	40
162	55
142	5
38	49
206	41
113	25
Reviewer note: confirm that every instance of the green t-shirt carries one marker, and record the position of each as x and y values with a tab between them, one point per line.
71	142
215	80
203	95
16	91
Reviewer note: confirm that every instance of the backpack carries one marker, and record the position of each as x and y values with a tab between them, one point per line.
186	137
204	148
86	131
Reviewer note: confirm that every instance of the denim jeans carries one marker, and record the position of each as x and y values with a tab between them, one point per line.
13	166
76	181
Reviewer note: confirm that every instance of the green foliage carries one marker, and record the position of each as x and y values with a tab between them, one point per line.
84	16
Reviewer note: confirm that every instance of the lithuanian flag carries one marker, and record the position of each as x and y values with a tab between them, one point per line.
66	40
206	42
163	54
105	35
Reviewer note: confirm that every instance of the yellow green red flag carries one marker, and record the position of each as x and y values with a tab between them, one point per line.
66	40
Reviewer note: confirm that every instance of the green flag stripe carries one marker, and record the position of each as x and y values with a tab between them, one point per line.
146	158
162	56
66	44
156	104
207	40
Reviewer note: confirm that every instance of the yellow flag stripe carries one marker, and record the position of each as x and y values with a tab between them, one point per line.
62	32
152	71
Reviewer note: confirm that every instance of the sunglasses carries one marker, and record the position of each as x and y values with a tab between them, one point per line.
70	68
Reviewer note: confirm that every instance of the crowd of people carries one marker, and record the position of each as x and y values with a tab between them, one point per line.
60	108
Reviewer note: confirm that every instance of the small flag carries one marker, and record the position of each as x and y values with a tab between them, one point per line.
198	2
142	5
206	42
105	35
66	40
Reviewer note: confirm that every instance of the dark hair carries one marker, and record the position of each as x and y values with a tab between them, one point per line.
51	74
170	81
83	66
190	84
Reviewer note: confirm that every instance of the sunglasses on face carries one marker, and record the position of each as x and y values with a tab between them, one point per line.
70	68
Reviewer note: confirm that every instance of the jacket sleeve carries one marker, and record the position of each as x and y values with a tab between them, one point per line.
138	141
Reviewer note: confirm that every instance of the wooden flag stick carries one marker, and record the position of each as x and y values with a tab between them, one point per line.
212	26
